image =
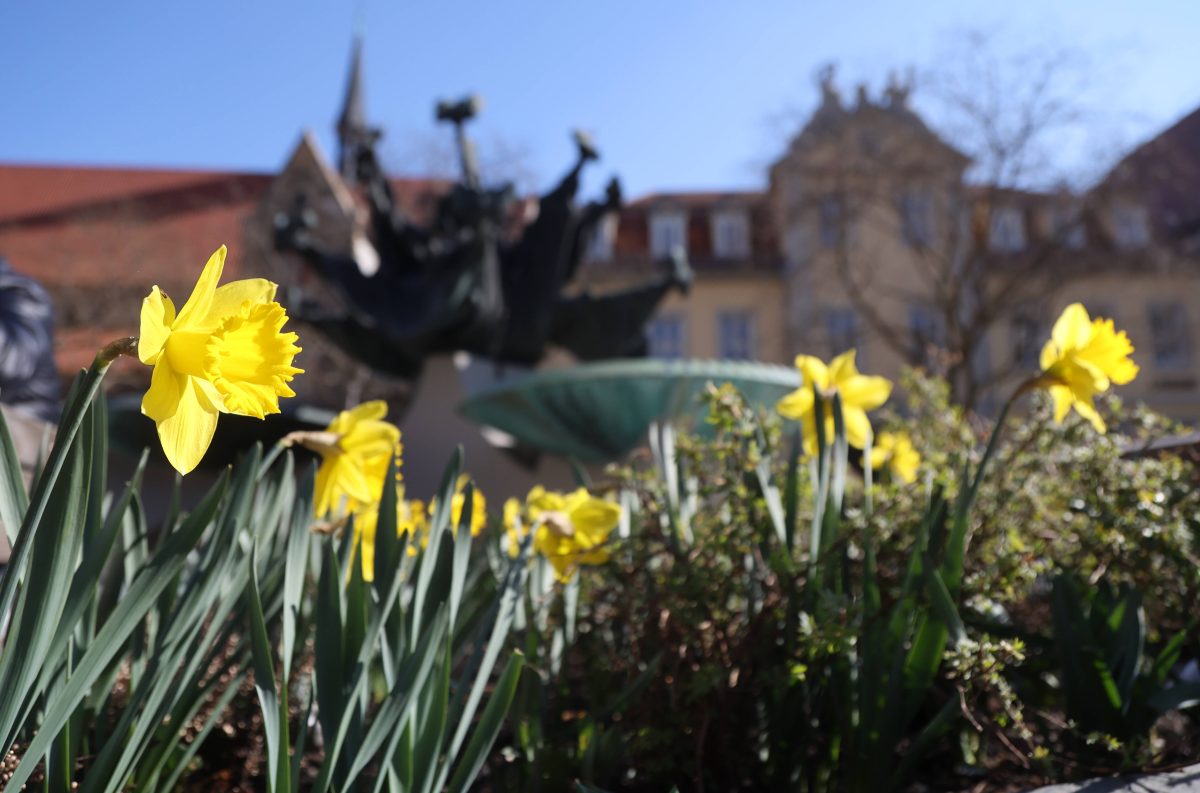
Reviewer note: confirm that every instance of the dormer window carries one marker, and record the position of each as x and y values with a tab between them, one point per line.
731	234
600	240
1007	231
668	231
1131	226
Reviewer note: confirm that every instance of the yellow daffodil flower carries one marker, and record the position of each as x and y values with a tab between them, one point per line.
355	451
859	394
410	517
515	527
478	507
571	529
223	352
1084	357
895	450
412	520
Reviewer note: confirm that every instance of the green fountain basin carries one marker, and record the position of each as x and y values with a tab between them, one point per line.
599	412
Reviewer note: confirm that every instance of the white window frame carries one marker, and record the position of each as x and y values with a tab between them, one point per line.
668	228
730	230
666	336
728	346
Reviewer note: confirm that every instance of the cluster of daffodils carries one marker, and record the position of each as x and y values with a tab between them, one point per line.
1084	357
569	529
225	351
355	451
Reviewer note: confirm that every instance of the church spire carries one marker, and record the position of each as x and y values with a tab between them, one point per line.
352	127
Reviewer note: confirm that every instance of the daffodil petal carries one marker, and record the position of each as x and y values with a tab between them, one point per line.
594	520
864	391
158	312
161	400
858	426
187	433
842	368
1063	398
229	298
813	370
1073	328
1050	355
345	421
797	404
196	310
1088	411
371	439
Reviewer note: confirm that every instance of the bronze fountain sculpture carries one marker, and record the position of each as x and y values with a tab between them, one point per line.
458	284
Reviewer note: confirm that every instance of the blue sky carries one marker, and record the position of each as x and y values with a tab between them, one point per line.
679	93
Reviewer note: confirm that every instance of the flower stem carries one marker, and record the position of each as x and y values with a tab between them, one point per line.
109	352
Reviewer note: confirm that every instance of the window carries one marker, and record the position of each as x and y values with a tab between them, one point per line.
735	335
832	220
666	338
1028	334
1169	335
1066	228
797	245
841	328
927	329
668	230
731	234
1131	227
916	217
600	240
1007	232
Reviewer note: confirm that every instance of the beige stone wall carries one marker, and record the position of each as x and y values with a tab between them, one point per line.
760	293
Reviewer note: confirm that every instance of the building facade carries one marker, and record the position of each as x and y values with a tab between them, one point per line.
868	235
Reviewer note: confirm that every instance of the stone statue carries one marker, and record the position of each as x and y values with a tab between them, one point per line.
455	285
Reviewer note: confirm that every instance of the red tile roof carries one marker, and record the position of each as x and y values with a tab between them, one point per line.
632	245
98	238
